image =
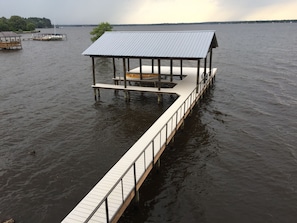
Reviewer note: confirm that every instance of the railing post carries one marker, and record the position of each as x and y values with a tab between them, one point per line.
176	122
135	184
160	146
106	209
166	135
144	161
153	151
122	185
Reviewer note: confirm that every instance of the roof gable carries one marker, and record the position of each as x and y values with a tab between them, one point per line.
139	44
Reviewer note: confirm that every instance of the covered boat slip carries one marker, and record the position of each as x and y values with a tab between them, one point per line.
109	198
172	80
158	47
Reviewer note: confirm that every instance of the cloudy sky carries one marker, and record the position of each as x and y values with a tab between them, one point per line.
149	11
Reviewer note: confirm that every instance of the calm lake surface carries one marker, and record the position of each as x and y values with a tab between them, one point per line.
235	160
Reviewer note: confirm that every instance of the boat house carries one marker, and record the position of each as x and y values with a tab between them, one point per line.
183	67
156	57
10	41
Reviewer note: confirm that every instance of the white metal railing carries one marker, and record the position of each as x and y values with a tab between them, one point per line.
119	192
127	182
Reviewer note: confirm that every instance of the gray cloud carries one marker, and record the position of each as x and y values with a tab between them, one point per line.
114	11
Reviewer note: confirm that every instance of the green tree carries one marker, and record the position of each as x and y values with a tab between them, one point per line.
99	30
30	26
17	23
40	22
4	24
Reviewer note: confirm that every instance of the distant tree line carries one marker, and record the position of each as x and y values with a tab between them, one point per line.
19	24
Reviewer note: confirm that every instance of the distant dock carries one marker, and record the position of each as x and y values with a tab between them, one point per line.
107	201
47	37
10	41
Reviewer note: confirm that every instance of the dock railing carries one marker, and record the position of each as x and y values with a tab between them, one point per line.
130	181
114	202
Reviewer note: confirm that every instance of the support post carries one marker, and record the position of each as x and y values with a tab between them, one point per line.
159	74
210	61
205	63
135	185
124	70
171	70
106	210
94	78
128	64
114	68
198	76
140	68
181	69
153	66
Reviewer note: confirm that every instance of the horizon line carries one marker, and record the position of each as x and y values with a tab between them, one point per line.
190	23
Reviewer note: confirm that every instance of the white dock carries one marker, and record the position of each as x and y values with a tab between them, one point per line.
107	201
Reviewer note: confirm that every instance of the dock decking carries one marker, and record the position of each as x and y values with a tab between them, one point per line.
107	201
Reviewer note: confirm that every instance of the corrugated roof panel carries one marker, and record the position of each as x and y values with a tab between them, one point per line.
185	44
9	34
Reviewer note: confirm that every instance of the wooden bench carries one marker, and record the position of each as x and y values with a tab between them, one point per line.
154	81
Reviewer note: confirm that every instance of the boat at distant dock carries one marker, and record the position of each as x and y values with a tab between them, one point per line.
49	37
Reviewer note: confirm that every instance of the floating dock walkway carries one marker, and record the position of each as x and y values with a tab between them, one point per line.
107	201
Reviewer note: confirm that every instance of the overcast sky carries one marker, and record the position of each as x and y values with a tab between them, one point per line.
149	11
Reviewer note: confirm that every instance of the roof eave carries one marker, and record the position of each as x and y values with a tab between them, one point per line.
144	57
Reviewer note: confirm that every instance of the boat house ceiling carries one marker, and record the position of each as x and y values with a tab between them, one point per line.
154	45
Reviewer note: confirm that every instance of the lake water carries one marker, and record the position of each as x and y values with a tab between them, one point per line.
235	160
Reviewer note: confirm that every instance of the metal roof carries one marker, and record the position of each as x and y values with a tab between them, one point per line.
8	34
144	44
